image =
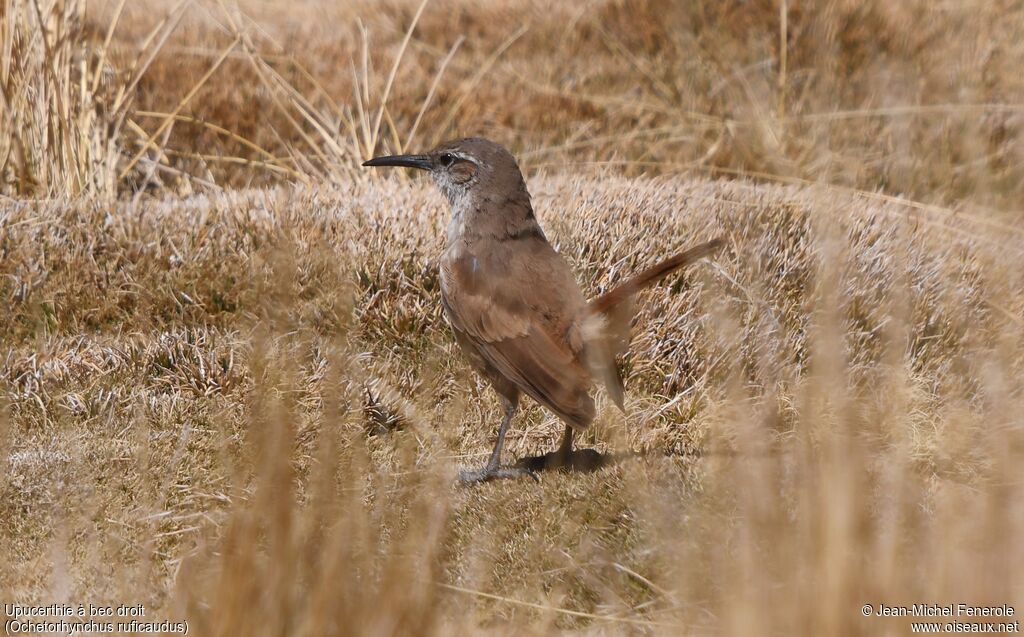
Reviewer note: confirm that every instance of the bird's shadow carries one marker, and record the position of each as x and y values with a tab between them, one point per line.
579	461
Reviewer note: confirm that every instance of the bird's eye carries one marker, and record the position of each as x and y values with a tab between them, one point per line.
447	159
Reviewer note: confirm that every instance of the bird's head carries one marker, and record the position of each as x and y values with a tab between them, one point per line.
465	169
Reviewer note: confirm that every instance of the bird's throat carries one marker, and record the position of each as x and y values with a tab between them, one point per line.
489	220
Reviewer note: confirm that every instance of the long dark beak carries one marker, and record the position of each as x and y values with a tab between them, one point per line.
409	161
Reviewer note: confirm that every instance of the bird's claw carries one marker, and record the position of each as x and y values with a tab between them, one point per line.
495	473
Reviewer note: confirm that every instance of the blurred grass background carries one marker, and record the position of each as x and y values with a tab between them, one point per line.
914	98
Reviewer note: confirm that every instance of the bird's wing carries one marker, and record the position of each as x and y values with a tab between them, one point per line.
510	310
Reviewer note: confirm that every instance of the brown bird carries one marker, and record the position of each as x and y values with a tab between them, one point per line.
512	301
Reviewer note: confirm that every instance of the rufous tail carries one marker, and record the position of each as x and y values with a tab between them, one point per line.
652	275
610	315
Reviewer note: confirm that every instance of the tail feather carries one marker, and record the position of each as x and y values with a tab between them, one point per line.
652	275
611	313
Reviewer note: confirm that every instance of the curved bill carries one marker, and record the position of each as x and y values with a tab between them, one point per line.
408	161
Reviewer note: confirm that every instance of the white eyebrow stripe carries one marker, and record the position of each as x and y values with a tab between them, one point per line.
463	156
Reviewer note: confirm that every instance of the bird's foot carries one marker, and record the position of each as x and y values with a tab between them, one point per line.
494	473
583	460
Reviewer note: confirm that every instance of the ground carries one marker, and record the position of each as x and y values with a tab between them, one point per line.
245	410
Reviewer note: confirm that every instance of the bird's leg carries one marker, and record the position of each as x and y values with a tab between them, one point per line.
564	455
565	458
495	460
493	467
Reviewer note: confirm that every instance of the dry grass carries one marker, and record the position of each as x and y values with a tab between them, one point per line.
245	410
242	408
909	98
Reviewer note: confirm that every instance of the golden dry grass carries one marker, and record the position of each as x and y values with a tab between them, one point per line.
911	98
245	410
242	407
